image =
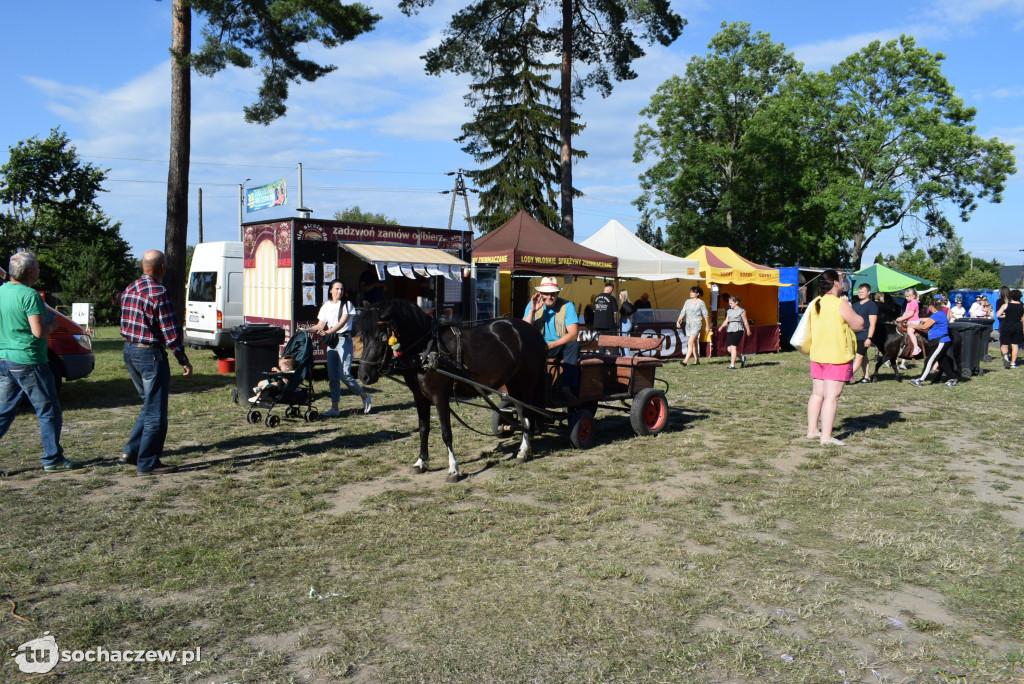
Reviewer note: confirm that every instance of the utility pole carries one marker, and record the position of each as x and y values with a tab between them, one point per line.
200	214
459	189
241	205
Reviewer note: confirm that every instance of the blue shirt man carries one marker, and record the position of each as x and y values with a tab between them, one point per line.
558	322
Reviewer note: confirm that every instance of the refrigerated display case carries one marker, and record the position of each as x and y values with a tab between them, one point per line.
486	291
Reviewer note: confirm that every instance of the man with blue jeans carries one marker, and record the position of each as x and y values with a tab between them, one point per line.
24	368
149	328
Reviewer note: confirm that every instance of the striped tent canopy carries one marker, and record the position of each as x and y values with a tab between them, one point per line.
724	266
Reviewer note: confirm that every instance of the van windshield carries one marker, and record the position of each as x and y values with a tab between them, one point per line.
202	287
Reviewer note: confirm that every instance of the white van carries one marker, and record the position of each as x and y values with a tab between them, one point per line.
214	302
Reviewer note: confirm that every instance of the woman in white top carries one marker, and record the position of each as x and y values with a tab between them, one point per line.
957	311
978	308
336	316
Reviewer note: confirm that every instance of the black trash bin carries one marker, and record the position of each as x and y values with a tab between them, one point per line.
974	335
256	350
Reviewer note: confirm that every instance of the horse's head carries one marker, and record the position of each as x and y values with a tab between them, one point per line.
397	318
374	332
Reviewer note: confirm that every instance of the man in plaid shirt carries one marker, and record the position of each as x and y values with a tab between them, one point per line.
149	328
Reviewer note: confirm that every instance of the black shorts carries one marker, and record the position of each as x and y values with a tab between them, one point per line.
735	338
862	349
1011	334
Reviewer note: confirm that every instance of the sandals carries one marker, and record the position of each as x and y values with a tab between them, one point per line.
833	442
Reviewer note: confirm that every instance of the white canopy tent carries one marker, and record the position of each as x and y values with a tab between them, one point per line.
637	259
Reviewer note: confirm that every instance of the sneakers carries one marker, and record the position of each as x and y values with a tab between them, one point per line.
951	383
903	366
367	404
731	368
866	381
743	360
331	413
63	465
1006	361
917	382
159	469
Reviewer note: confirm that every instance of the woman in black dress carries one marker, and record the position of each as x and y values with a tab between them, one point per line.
1011	328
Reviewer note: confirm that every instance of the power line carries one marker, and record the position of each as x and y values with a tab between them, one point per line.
268	166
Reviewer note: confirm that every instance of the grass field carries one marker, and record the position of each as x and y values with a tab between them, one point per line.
727	549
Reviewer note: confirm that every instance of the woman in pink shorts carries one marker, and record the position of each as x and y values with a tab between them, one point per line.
833	347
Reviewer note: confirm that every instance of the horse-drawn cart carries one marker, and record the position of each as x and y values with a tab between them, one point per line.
501	363
612	382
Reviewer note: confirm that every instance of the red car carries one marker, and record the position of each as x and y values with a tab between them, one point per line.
69	348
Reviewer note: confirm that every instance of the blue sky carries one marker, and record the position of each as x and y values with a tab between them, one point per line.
379	132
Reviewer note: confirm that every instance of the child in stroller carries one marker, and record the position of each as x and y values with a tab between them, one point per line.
290	383
285	364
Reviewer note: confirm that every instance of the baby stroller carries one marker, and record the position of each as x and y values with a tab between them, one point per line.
296	390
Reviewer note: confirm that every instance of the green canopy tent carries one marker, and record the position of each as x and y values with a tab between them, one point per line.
884	279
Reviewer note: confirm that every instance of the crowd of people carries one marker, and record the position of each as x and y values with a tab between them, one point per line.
840	334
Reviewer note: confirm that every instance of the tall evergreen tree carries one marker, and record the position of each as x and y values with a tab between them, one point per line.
601	35
516	129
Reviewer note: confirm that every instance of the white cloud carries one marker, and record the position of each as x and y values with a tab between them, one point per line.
961	12
822	56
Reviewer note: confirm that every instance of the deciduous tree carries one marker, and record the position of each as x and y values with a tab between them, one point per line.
50	208
724	166
898	147
356	215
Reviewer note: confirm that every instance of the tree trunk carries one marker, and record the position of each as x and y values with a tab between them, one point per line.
858	250
176	231
566	128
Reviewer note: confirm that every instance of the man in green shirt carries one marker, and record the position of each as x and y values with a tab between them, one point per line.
25	324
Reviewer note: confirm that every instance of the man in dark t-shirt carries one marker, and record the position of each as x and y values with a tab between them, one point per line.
605	308
866	308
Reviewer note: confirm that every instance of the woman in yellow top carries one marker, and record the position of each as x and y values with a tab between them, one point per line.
833	347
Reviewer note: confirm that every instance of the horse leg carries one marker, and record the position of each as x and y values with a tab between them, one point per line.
444	417
423	412
527	425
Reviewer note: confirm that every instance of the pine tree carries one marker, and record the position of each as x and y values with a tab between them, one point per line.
516	130
596	43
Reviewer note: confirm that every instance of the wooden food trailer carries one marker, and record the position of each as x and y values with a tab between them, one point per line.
289	264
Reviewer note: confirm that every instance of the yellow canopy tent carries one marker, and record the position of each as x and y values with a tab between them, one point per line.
757	287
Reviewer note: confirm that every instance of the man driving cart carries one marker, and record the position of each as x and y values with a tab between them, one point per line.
558	322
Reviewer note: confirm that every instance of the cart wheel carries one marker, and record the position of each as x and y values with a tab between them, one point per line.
271	421
234	395
253	416
581	429
503	424
312	415
292	412
649	413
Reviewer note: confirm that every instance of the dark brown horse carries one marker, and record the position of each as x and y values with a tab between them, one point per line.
893	344
503	352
